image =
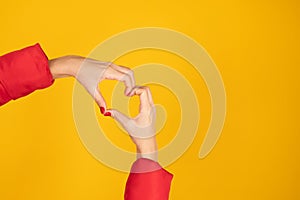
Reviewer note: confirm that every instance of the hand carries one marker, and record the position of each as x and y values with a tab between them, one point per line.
90	73
141	128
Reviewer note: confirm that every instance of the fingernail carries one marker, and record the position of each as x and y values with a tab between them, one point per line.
107	114
102	109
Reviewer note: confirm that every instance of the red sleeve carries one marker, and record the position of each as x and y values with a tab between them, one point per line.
22	72
148	181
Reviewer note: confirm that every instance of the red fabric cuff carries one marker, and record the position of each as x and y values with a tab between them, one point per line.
22	72
143	165
152	185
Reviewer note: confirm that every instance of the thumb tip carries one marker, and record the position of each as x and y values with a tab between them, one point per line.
109	112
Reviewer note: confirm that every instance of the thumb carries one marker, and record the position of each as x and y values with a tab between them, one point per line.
120	117
100	101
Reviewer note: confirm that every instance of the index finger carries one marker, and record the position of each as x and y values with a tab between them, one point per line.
146	101
125	70
112	74
128	77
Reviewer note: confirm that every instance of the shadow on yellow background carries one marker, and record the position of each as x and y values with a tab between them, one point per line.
255	46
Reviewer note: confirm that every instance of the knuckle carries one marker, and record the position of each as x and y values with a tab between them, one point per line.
108	70
146	88
109	64
130	72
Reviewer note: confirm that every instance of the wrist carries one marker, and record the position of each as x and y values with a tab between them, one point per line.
147	148
151	156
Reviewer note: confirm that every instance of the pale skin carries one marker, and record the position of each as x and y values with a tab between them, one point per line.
68	66
90	73
146	144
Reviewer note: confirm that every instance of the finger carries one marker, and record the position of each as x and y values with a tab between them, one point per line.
145	102
134	89
149	96
129	79
125	70
100	101
120	117
112	74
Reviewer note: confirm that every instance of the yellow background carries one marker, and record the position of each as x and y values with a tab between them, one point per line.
255	46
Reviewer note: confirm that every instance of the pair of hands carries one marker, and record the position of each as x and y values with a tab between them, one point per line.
90	73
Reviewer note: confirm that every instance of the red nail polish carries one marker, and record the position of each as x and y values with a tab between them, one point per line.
107	114
102	109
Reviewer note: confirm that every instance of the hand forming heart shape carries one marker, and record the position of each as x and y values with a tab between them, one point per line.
92	72
141	128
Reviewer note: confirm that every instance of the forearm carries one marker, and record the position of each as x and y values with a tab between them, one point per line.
65	66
